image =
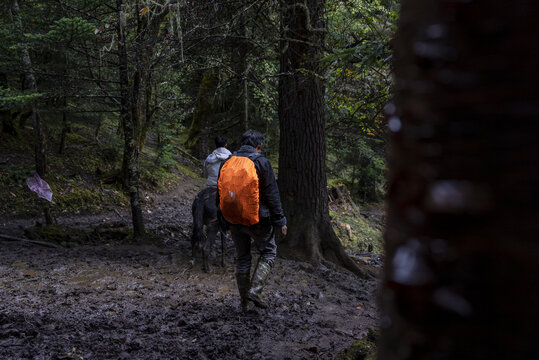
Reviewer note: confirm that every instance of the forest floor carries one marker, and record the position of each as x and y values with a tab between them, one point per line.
108	299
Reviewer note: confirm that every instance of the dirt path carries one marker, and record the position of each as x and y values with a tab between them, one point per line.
150	302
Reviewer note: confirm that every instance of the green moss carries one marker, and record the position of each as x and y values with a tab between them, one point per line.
357	232
52	233
68	194
360	350
80	126
14	191
364	349
65	237
188	172
157	177
76	194
76	176
15	174
335	182
149	152
78	198
72	138
16	143
112	235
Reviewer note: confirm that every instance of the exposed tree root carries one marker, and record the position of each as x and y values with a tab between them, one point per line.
42	243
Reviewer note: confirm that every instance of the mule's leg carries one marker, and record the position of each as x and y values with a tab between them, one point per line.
211	234
205	263
222	236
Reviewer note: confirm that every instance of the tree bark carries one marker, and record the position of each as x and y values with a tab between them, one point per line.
149	33
65	127
130	159
7	121
30	83
242	67
302	153
461	245
199	130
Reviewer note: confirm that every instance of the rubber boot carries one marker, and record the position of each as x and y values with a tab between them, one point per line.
257	283
242	279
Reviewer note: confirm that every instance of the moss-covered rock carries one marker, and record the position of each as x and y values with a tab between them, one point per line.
357	233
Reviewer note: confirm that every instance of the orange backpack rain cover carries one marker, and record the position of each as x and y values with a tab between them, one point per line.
238	191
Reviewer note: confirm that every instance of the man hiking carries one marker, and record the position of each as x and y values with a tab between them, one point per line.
250	203
214	160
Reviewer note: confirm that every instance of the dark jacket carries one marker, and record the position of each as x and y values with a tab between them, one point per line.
270	200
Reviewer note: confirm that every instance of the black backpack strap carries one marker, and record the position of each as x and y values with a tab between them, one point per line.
253	156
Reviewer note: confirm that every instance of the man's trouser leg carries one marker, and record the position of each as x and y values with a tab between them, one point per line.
264	237
242	241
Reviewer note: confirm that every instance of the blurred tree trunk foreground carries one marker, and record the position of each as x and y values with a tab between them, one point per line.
462	240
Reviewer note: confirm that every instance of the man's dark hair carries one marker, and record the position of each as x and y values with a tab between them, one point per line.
253	138
220	141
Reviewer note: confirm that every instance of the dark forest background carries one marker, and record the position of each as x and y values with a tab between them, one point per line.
194	69
111	97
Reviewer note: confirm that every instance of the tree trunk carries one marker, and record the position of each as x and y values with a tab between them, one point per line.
199	130
461	245
149	108
302	153
136	92
148	31
65	123
65	128
245	114
7	123
242	67
30	83
130	159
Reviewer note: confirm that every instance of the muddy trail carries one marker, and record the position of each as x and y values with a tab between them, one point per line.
125	301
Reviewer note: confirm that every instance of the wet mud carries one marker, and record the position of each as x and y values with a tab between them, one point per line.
148	302
117	301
